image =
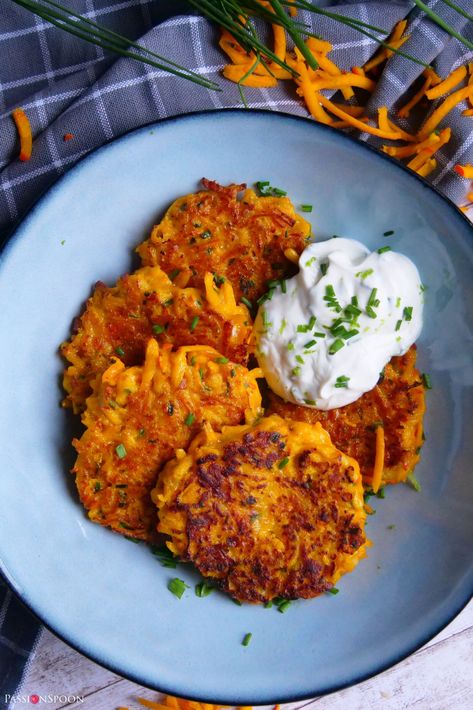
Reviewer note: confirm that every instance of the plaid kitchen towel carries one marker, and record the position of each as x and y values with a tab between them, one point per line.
69	87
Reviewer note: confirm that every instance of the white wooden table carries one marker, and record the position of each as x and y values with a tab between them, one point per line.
438	677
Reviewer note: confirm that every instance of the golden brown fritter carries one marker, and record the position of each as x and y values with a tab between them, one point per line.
138	416
243	240
265	510
397	403
121	319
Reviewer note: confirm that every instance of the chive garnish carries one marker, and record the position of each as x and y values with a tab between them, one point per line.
193	324
318	335
158	329
364	274
120	352
219	280
283	462
372	300
310	344
290	346
414	482
306	208
283	285
310	261
121	451
296	371
300	359
383	250
303	328
278	192
173	274
246	639
398	324
202	589
388	233
190	419
177	587
221	360
97	487
311	402
169	302
333	590
246	302
323	268
164	556
331	299
426	380
342	381
237	602
283	326
284	605
337	345
370	312
407	313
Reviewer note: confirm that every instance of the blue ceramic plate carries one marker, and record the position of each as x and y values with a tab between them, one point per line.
108	597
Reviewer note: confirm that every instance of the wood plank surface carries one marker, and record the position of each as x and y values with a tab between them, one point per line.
438	677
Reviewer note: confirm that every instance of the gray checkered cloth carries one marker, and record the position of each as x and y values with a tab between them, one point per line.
67	86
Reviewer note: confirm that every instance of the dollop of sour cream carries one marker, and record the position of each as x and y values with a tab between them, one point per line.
325	335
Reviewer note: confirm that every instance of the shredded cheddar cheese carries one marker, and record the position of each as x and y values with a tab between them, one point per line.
24	131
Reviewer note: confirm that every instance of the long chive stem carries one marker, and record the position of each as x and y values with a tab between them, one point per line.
458	9
444	25
106	39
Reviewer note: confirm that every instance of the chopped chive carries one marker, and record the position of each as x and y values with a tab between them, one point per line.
296	371
190	419
372	300
164	556
246	639
284	605
177	587
318	335
383	250
426	380
193	360
300	359
337	345
158	329
202	589
311	402
121	451
333	590
219	280
283	285
237	602
246	302
364	274
306	208
269	604
370	312
310	344
193	324
303	328
232	372
169	302
278	192
388	233
407	313
342	381
310	261
283	326
283	463
221	360
173	274
120	352
290	346
381	494
323	268
414	482
398	324
97	487
261	184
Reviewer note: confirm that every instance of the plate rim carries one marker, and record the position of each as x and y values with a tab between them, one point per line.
16	233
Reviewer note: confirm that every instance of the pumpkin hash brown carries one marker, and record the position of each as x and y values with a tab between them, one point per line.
243	240
267	510
397	404
138	416
120	320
